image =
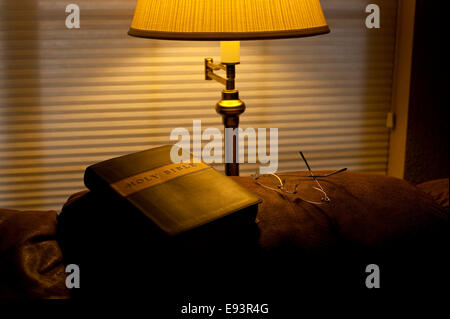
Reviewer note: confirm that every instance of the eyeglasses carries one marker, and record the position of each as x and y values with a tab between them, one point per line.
316	194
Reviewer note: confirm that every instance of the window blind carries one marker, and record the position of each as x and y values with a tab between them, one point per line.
73	97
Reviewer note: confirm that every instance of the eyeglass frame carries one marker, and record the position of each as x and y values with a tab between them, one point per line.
282	189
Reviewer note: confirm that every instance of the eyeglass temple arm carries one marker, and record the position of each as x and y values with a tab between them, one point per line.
314	176
306	162
332	173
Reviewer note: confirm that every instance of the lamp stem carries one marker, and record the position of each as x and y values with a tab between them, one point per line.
231	122
230	106
231	145
230	55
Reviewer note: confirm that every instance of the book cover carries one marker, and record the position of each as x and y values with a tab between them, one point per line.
176	197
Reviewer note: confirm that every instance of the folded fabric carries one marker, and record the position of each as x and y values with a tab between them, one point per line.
438	190
31	265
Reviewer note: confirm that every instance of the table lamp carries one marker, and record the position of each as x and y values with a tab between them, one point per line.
228	21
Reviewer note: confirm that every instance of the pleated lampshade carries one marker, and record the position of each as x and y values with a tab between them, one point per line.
227	19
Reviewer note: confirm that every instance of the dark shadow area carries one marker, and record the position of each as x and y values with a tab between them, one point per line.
427	136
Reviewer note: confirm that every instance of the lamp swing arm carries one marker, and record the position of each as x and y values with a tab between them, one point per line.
229	68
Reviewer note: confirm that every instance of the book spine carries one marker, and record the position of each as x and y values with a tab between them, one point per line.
95	183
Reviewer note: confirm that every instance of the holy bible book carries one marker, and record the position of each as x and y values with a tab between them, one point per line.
175	197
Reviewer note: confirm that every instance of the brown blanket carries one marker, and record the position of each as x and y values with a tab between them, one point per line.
30	258
365	210
368	214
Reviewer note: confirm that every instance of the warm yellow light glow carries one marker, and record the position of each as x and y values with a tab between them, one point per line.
227	19
230	51
230	103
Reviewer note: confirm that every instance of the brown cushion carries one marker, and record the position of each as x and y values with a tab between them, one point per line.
371	218
30	258
438	190
365	210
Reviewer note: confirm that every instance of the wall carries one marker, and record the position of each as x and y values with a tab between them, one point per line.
401	87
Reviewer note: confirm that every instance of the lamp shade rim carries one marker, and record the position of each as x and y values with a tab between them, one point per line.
228	36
